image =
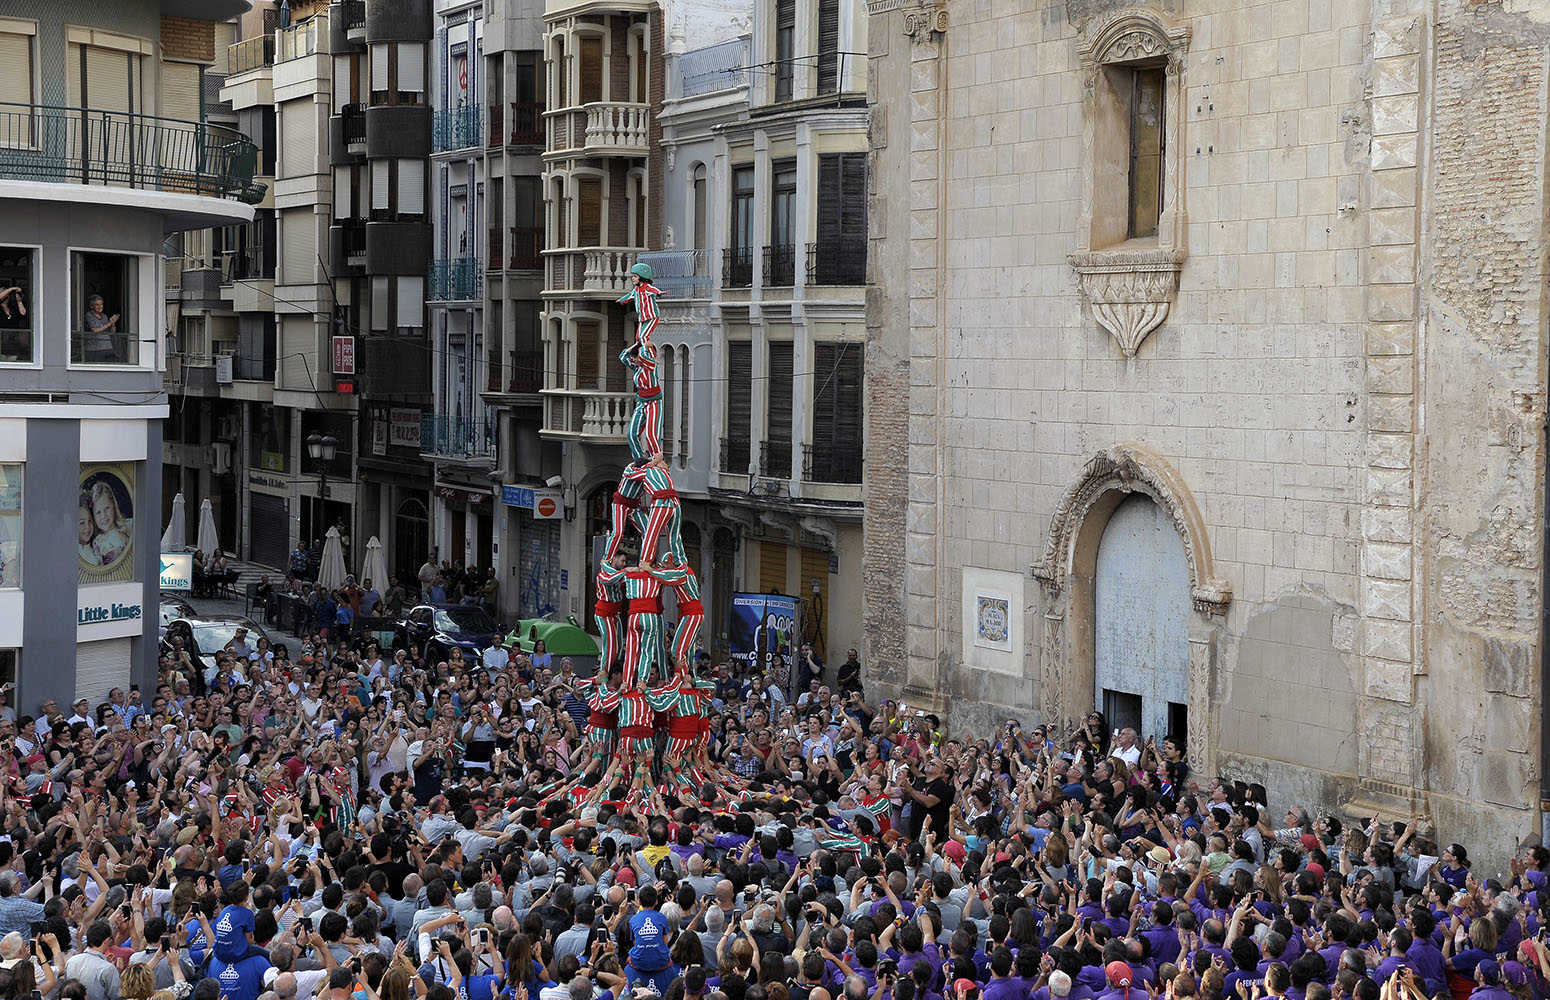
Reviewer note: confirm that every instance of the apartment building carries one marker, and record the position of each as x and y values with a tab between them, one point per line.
328	284
788	215
106	153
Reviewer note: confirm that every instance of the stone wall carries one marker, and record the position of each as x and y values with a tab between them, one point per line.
1348	384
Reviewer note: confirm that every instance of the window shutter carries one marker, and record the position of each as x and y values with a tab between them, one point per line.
837	411
379	67
107	79
379	185
341	82
379	302
829	209
411	302
852	201
591	68
15	73
586	353
739	393
411	67
772	567
778	395
341	192
299	240
589	212
411	187
828	46
299	138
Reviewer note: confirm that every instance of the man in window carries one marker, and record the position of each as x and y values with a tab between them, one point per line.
15	338
97	346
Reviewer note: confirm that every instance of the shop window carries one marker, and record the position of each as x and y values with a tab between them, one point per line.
105	301
17	266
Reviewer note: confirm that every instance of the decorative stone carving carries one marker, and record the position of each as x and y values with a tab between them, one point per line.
1135	45
921	21
1132	35
1129	468
1130	291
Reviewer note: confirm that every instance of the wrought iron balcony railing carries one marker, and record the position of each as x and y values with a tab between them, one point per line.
456	128
734	456
775	459
456	437
122	149
837	262
780	265
737	267
680	274
453	280
826	463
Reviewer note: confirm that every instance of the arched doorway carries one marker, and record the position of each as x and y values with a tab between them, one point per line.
411	538
1141	609
1075	568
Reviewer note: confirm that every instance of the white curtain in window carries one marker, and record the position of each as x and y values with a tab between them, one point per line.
379	184
411	302
411	187
341	192
341	82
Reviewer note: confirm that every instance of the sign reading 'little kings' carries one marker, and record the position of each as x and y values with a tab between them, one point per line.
98	613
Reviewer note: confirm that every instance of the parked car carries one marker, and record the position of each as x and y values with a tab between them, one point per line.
205	635
439	628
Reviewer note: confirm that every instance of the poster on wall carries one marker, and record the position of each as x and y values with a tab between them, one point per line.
762	629
11	525
105	524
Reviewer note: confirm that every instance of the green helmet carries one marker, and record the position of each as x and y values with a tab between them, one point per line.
643	271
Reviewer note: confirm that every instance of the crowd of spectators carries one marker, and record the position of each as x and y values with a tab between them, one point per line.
359	824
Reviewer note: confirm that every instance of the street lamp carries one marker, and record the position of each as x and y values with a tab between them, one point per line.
321	448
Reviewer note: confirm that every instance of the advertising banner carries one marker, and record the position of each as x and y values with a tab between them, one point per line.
105	524
763	628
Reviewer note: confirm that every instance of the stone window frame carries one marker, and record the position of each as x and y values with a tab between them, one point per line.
1131	284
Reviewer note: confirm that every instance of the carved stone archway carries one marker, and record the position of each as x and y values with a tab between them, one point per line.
1068	572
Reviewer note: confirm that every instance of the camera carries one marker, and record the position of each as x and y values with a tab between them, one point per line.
888	967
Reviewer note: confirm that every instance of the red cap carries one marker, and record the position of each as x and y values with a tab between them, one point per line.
955	850
1315	869
625	876
1309	841
965	985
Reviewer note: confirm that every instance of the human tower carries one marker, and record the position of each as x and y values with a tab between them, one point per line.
648	727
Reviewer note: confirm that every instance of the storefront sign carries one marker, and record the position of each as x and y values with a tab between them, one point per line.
109	612
517	496
177	571
344	355
379	432
268	482
404	429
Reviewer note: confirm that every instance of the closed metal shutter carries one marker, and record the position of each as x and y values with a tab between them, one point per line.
269	530
772	567
298	237
108	80
538	569
181	89
815	618
299	138
15	68
100	666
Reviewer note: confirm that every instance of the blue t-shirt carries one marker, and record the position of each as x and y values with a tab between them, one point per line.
648	953
232	927
242	980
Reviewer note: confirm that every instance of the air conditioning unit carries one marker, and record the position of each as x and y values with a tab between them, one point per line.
224	370
220	459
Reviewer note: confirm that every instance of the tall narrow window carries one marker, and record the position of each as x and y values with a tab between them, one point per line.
16	304
839	256
589	212
778	399
16	69
641	94
734	447
105	302
780	255
785	47
699	207
739	255
835	456
1146	149
828	46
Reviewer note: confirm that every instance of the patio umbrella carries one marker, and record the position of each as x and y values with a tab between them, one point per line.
175	538
208	543
374	568
331	571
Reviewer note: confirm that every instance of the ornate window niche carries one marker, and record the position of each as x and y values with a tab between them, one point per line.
1132	192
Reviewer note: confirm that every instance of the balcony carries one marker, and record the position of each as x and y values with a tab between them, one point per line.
603	128
457	128
305	38
714	68
681	274
399	131
824	463
527	248
250	54
453	280
837	262
397	248
353	14
352	132
190	374
120	149
589	271
525	372
587	415
527	124
737	267
496	248
458	438
347	241
780	268
775	459
734	456
394	365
